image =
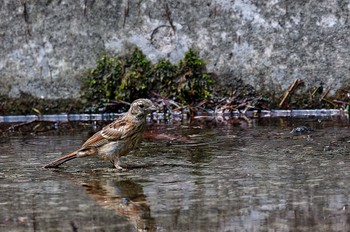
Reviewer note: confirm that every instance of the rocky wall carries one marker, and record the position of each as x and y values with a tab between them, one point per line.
48	45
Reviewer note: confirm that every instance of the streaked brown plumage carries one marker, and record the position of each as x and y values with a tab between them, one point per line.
116	139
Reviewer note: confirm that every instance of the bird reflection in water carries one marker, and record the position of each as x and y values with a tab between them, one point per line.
125	197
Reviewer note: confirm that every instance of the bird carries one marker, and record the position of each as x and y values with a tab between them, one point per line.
117	139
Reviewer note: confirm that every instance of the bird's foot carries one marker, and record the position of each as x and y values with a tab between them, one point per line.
120	166
123	166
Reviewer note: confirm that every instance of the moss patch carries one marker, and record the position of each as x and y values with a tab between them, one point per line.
134	76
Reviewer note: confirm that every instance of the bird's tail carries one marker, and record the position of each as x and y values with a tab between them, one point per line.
59	161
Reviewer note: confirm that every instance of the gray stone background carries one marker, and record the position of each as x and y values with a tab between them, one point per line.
48	45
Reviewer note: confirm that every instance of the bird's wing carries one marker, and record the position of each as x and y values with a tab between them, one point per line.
112	132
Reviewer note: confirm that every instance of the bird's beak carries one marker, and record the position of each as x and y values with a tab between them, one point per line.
152	108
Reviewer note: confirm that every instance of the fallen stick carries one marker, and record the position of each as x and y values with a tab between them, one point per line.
290	90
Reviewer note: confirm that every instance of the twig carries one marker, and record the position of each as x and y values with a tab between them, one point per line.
26	17
168	15
13	127
126	12
325	93
340	102
330	102
290	90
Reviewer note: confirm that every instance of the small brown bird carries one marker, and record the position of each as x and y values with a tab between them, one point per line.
116	139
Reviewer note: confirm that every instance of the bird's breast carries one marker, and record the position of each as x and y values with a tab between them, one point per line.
115	149
111	149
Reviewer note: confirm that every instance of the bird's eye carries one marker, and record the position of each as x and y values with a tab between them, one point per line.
141	105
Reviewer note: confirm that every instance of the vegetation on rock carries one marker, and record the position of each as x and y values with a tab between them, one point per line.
134	76
182	86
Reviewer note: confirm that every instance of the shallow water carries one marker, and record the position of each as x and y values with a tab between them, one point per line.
204	175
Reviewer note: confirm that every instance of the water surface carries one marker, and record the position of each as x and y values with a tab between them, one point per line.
204	175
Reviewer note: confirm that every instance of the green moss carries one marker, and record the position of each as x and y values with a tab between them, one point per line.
194	82
134	76
103	79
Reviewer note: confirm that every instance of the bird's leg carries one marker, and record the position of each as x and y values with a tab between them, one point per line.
123	166
119	165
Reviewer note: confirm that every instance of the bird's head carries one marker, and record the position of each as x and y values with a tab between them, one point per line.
141	107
